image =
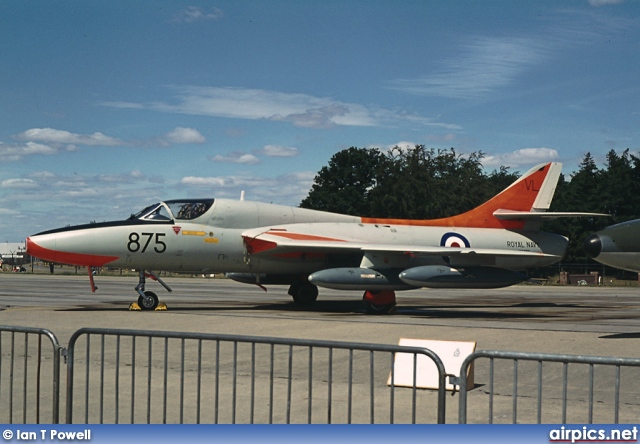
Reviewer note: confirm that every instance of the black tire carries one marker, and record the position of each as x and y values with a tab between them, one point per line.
374	309
149	301
304	294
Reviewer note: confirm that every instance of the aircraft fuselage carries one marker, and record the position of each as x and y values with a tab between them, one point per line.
616	246
214	242
266	244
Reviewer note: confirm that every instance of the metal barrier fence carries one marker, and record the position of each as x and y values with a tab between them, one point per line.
116	376
571	393
29	375
134	376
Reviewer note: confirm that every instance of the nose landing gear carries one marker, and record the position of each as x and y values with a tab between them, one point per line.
148	300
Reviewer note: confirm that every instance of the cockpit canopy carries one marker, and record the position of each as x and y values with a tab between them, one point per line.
183	209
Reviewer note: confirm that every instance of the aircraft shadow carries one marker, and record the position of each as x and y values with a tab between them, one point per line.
353	307
621	336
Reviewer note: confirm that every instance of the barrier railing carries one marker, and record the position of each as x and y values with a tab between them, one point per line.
563	384
134	376
29	374
130	376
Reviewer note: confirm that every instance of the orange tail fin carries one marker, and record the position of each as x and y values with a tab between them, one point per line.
532	192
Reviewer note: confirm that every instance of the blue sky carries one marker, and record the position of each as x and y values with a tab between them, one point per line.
108	106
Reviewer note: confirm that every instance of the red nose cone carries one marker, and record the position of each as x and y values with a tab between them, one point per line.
62	257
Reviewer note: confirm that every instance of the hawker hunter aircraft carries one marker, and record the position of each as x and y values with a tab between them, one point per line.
617	246
266	244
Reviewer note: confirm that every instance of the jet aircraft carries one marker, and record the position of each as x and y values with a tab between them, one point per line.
617	245
266	244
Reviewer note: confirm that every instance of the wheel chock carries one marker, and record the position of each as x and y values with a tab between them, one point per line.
135	307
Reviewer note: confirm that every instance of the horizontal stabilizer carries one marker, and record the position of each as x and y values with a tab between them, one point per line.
541	215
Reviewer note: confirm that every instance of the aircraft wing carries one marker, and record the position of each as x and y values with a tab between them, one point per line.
450	251
284	242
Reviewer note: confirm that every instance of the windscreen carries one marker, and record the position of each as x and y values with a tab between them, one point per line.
155	212
189	209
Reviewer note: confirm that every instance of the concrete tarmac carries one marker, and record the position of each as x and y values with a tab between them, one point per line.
592	321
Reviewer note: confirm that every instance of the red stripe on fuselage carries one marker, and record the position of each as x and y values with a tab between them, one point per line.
308	237
63	257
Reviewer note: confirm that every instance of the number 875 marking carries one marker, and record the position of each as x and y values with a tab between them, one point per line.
135	244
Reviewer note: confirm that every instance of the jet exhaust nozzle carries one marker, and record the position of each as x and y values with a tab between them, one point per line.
593	246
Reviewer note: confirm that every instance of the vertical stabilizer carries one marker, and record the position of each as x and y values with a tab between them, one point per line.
545	195
532	192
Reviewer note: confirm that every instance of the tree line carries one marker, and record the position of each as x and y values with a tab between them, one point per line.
425	183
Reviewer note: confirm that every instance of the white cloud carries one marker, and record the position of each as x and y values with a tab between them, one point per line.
122	105
12	153
18	184
324	117
525	156
236	157
206	182
8	212
50	135
82	192
182	135
597	3
288	189
127	178
179	135
196	14
43	175
241	103
483	65
279	151
301	110
403	144
227	181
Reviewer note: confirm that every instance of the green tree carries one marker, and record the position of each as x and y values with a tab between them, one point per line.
412	183
614	189
422	183
343	185
619	186
579	194
406	185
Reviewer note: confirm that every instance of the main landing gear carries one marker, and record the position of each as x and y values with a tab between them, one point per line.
148	300
383	302
304	293
379	302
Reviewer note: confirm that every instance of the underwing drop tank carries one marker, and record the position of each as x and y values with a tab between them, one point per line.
355	278
440	276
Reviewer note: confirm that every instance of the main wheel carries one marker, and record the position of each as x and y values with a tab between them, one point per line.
304	294
379	302
149	301
379	309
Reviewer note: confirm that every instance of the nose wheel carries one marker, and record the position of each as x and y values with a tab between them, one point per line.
148	300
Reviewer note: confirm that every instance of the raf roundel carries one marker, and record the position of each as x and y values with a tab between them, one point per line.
454	240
